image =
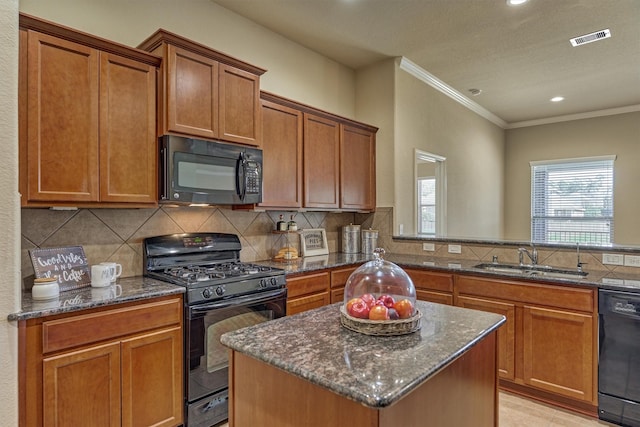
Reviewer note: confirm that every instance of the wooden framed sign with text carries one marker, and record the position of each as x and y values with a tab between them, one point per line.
69	264
313	241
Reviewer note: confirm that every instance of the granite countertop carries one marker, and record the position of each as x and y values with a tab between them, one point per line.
127	289
372	370
600	279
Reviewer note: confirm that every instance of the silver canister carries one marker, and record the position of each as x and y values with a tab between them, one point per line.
351	239
369	241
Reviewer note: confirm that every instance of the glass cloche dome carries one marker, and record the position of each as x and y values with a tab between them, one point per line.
379	290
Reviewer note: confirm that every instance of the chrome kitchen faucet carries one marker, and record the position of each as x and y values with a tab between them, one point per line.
533	255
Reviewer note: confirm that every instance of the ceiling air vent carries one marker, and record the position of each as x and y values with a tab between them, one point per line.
589	38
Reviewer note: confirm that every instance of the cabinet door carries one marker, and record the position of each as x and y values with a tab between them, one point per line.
192	93
506	333
240	117
282	156
62	120
127	130
321	162
559	352
357	169
152	379
83	385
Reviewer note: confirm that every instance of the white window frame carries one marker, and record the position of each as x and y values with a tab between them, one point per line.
441	190
542	220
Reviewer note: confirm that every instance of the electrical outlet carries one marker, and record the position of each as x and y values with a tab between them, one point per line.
613	259
632	260
455	249
428	247
454	265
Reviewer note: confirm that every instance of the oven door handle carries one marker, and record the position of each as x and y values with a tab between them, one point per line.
235	302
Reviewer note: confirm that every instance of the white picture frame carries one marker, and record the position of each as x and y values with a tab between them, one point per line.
313	241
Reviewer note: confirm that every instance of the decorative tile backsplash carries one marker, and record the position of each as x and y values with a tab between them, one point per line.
117	234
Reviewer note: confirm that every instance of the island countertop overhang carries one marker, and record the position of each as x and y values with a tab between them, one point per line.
374	371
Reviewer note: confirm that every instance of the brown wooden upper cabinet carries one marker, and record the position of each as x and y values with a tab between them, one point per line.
316	160
87	111
205	93
281	156
357	168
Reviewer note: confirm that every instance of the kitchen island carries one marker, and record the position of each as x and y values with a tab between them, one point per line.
308	370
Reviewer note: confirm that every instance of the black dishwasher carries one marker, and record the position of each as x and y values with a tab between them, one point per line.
619	361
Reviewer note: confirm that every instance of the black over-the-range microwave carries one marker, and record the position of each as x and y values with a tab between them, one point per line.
194	171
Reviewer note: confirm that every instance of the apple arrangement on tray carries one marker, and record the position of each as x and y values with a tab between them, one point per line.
384	315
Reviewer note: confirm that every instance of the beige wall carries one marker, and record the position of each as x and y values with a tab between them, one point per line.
10	218
618	134
430	121
293	71
374	104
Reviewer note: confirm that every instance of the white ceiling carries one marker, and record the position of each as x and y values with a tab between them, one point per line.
519	57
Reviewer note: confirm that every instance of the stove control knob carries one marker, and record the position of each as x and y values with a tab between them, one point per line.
219	291
263	283
207	293
273	281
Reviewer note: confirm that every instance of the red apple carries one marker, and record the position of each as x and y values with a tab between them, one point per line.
350	303
369	299
387	300
379	312
359	309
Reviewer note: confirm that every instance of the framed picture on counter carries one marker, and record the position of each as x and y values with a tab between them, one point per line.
313	241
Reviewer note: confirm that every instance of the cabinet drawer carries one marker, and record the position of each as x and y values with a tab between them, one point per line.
339	277
529	293
430	280
90	328
308	284
437	297
298	305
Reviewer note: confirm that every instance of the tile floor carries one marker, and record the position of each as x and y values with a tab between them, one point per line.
518	412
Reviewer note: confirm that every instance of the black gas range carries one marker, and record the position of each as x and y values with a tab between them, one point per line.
208	265
222	294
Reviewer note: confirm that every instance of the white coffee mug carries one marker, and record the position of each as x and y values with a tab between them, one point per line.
116	270
101	275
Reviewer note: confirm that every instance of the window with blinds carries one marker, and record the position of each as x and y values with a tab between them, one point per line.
572	200
427	205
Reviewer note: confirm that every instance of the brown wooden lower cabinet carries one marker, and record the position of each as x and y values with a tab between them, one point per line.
307	291
462	394
548	347
558	351
432	286
339	279
506	333
117	366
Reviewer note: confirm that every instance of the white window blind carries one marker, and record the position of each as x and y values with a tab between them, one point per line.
427	205
572	201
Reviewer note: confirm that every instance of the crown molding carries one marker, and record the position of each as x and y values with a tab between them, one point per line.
577	116
423	75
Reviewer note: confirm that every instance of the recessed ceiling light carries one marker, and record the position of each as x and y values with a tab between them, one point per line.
516	2
557	99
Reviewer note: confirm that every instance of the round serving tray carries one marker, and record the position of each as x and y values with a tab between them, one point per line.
381	327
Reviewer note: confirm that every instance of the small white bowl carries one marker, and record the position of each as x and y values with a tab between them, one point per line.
45	289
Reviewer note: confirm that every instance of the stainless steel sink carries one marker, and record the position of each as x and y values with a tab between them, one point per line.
532	270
